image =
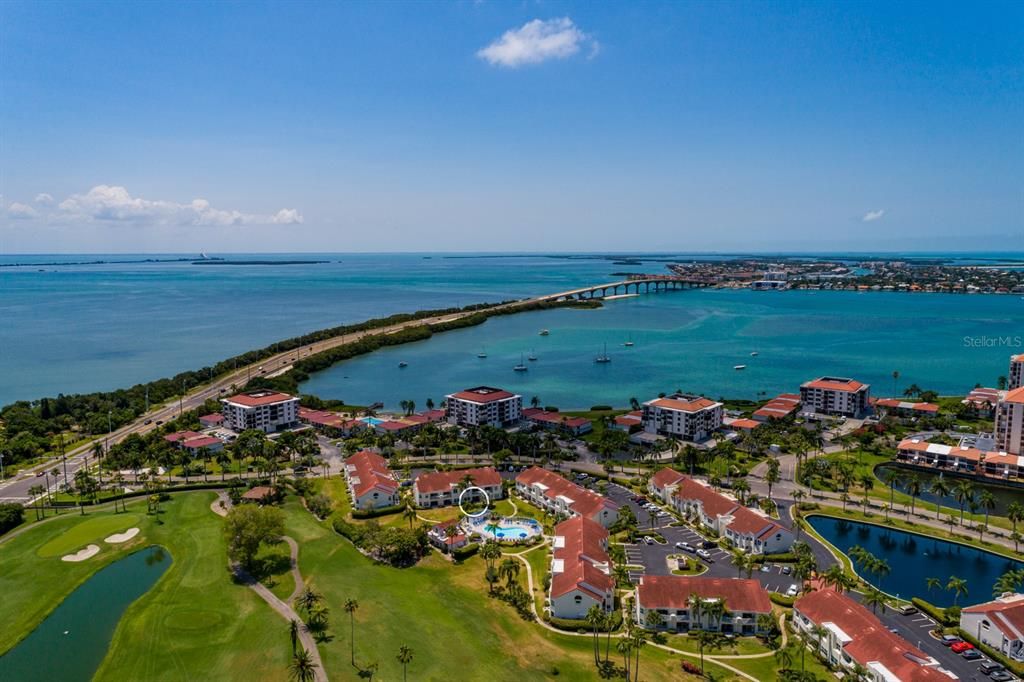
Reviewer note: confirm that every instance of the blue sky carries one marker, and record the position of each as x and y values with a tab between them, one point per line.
503	126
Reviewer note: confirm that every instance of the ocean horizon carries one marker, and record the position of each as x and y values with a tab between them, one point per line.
82	328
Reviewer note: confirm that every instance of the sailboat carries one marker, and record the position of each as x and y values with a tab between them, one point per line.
532	357
482	353
521	367
629	341
603	357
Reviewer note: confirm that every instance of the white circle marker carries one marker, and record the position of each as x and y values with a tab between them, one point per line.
483	511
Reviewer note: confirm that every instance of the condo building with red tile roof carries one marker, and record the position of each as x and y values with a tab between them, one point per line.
554	421
670	596
664	484
261	409
1010	422
856	637
1016	377
998	623
837	396
747	530
443	488
562	497
580	569
484	405
371	484
904	408
780	407
687	417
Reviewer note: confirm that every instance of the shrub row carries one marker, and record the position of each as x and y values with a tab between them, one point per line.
374	513
781	599
573	625
938	615
465	551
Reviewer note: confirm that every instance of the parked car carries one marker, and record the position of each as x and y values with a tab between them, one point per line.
703	554
765	568
684	546
1001	676
649	540
907	609
989	667
949	640
792	591
971	654
707	544
960	647
786	570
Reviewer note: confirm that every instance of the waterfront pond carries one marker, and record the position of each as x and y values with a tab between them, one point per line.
70	643
913	558
1004	496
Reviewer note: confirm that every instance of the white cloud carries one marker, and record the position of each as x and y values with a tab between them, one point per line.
106	203
21	211
538	41
872	216
44	198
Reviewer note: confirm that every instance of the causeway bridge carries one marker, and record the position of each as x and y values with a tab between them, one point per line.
636	284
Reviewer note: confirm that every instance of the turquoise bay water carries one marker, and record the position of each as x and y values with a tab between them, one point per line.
71	643
74	328
913	558
691	340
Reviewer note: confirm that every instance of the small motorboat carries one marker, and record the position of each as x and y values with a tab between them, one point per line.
629	342
740	367
544	332
482	354
403	363
532	357
753	354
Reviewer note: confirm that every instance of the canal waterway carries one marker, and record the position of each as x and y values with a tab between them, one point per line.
913	558
71	643
1004	496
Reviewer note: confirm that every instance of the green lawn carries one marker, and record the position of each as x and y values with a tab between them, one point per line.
193	624
443	612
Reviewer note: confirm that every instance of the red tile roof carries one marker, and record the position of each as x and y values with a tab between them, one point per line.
584	502
579	575
747	522
1015	396
745	424
180	436
201	442
715	504
443	481
673	592
834	384
216	418
683	405
258	398
583	538
1006	613
555	418
666	477
894	403
372	471
482	394
872	642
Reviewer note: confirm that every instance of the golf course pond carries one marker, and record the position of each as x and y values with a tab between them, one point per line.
913	558
73	640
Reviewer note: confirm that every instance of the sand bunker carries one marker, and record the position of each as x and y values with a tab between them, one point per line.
122	537
82	555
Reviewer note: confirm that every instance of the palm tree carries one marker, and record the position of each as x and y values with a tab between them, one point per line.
987	501
958	586
783	656
302	668
351	605
223	459
509	571
933	584
409	514
940	489
625	647
308	600
1015	513
404	652
895	378
293	633
639	641
874	598
771	476
706	639
594	618
914	490
964	493
892	479
696	605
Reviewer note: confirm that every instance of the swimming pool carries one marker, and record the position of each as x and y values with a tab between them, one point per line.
372	421
507	529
